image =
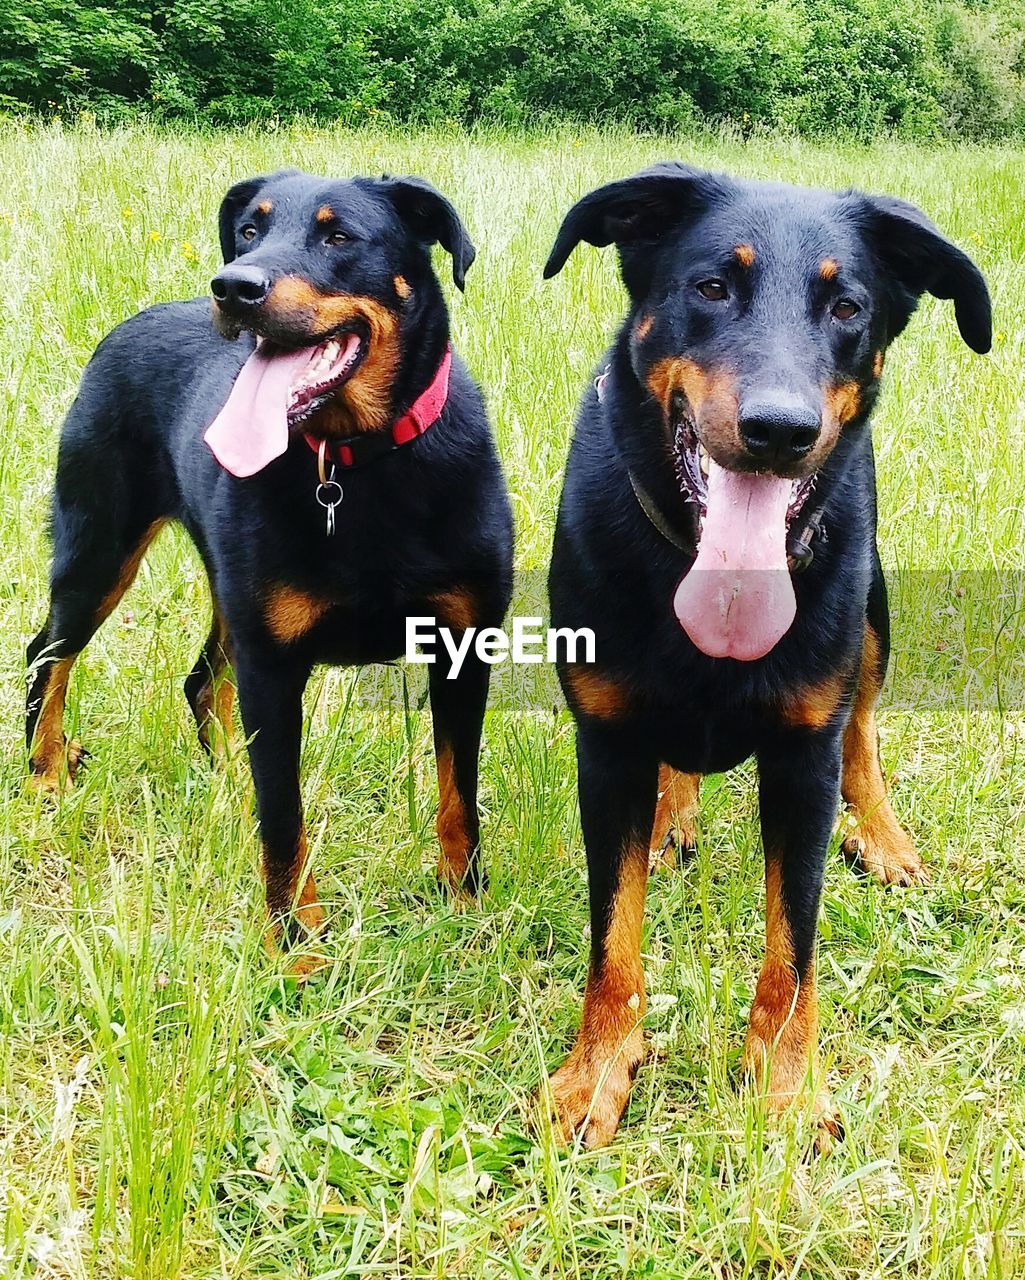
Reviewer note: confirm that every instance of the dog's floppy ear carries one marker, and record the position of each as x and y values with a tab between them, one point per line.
924	261
635	210
432	220
237	198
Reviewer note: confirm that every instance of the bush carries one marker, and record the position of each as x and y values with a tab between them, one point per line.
916	67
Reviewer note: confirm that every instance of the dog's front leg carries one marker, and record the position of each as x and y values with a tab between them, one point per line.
270	698
457	709
799	784
618	782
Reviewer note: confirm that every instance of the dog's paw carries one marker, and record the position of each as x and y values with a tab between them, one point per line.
590	1094
883	849
676	849
787	1090
57	775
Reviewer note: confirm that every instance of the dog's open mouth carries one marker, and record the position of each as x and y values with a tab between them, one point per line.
692	462
328	366
737	599
276	390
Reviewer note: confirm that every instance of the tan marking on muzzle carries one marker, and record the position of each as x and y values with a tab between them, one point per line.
712	399
844	402
364	401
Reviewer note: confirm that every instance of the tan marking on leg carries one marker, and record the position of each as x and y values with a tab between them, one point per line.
128	571
454	838
878	843
829	268
877	364
815	705
308	912
781	1050
744	254
593	1084
402	287
216	699
596	694
290	613
674	830
456	608
54	760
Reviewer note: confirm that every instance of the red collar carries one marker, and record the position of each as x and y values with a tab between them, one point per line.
424	412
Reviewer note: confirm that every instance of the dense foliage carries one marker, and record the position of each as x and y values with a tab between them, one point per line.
916	67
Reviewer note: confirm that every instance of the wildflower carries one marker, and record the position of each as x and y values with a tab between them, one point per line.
127	211
154	236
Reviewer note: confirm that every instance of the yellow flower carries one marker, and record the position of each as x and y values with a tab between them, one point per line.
127	211
1000	335
154	236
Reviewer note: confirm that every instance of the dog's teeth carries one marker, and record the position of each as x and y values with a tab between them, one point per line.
330	351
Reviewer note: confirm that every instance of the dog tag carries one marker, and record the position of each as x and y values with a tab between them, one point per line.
329	492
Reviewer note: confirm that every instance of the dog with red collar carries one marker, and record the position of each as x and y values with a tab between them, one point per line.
330	456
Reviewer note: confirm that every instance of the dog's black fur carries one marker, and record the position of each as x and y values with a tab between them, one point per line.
748	291
423	529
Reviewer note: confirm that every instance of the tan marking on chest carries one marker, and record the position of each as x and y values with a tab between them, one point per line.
455	608
290	613
815	705
596	694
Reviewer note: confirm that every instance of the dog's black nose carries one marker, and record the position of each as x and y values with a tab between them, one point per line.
778	433
238	286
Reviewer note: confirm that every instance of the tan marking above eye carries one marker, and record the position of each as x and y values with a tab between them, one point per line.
402	287
644	327
325	213
829	269
265	206
744	254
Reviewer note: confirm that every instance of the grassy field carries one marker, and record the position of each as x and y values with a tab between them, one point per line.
172	1105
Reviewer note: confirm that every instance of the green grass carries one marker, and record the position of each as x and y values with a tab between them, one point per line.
172	1105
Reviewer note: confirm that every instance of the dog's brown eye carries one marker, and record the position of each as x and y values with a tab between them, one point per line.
713	290
845	309
336	237
248	232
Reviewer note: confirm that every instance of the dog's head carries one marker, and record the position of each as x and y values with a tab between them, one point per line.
759	325
334	278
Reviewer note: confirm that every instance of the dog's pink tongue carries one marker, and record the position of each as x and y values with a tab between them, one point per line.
737	600
252	428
